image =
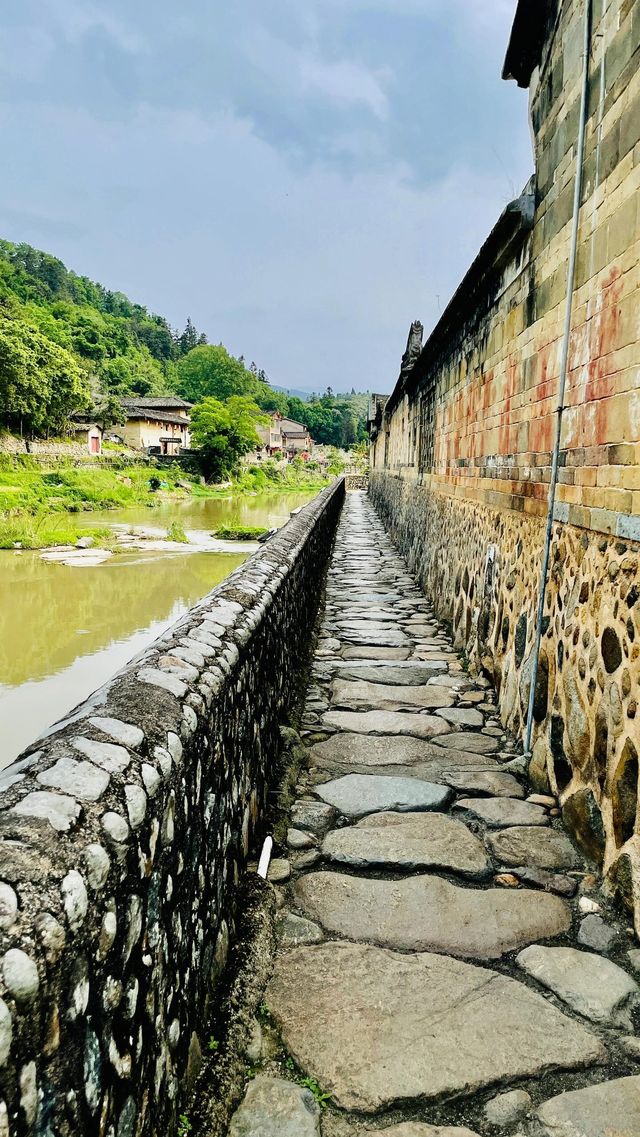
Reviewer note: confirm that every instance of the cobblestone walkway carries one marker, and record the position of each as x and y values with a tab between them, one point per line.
446	963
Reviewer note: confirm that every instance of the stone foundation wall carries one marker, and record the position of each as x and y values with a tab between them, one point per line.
44	448
123	833
480	566
357	481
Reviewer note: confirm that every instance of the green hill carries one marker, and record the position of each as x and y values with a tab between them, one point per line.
69	345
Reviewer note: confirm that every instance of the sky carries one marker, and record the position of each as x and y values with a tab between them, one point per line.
303	178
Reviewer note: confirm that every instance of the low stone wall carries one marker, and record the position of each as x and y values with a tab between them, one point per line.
45	448
123	834
481	567
357	481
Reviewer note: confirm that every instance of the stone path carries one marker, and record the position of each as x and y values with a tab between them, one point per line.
435	974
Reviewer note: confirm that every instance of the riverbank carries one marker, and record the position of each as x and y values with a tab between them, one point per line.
70	618
42	506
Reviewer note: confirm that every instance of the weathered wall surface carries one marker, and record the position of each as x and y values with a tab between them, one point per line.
461	465
44	448
477	418
121	838
481	568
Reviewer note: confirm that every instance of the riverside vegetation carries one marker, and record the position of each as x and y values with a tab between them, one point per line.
43	506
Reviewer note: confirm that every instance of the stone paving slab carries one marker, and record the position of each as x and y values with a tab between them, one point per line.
499	813
473	742
378	1029
533	845
465	780
402	674
355	795
418	1129
373	751
494	783
359	652
365	696
593	986
427	913
382	637
273	1107
387	722
609	1109
462	716
408	841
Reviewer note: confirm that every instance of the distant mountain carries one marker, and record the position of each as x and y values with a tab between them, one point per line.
293	392
307	396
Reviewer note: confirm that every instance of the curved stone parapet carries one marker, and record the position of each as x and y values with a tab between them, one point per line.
122	833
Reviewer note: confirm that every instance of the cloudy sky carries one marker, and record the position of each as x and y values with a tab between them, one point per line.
301	177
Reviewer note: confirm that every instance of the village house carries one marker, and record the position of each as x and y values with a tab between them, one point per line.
284	438
158	424
87	434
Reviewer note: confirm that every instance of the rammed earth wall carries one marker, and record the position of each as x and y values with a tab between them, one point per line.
122	836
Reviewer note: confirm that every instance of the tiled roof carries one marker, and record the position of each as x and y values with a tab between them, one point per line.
157	402
136	411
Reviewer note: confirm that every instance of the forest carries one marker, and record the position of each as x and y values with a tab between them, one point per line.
70	346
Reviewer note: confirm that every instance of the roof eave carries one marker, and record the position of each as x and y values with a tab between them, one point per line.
527	37
507	235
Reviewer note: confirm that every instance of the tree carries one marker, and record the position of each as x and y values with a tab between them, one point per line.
296	409
41	384
108	412
189	338
210	371
270	400
224	432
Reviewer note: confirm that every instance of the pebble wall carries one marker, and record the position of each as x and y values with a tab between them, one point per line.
480	567
122	834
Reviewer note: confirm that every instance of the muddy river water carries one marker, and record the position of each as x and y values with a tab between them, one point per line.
64	630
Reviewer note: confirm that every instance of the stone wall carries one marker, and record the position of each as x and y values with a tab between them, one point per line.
480	566
357	481
461	459
45	448
123	834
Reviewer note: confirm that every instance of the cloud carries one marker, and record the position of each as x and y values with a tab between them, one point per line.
76	18
301	179
344	81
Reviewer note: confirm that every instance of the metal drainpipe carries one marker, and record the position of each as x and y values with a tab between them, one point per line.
577	193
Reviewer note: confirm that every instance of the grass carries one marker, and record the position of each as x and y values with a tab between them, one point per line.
42	532
239	532
175	532
272	477
64	488
311	1084
38	501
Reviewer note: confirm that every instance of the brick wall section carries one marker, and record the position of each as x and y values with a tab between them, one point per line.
462	462
492	389
122	834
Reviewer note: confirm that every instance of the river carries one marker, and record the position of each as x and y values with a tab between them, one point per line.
64	631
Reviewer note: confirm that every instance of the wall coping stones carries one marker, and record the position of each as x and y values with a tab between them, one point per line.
122	832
